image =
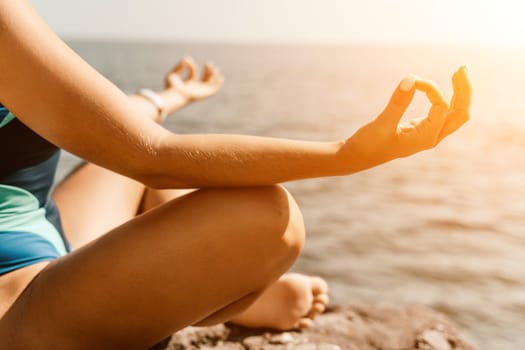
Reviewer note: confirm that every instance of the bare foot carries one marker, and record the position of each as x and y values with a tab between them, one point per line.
291	302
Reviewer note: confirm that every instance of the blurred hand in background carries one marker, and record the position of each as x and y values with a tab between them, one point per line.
185	80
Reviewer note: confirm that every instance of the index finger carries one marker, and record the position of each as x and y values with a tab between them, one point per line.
399	102
430	128
187	63
434	94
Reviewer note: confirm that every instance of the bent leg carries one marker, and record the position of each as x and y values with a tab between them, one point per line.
171	267
292	302
93	200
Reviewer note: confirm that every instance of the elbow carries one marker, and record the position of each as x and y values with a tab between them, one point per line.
163	182
150	180
153	172
158	181
156	169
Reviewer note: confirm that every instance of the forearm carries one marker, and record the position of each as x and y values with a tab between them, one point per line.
234	160
77	109
173	101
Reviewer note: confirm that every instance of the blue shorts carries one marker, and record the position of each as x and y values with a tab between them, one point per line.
30	229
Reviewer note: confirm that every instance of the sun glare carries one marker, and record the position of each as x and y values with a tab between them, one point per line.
501	23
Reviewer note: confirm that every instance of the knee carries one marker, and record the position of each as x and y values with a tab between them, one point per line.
283	226
260	228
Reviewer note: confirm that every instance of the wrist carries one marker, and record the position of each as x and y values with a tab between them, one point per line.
333	159
174	99
347	159
157	101
342	161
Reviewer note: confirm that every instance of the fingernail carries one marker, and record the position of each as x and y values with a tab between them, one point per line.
467	70
407	84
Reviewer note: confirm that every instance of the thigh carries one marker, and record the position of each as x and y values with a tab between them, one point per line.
13	283
168	268
93	200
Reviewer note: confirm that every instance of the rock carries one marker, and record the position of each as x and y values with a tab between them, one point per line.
282	338
432	339
352	327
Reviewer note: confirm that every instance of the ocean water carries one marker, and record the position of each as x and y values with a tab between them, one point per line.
444	228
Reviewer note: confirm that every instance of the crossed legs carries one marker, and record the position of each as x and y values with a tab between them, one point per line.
293	301
201	258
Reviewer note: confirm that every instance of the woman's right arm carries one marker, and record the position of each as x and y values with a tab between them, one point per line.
58	95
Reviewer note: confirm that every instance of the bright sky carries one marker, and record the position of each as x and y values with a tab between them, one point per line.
348	21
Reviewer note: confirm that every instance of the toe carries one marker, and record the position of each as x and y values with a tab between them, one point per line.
316	310
319	308
305	322
322	299
319	286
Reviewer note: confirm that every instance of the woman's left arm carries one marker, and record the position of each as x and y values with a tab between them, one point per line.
59	96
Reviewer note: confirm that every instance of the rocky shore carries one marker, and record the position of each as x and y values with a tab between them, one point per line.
350	327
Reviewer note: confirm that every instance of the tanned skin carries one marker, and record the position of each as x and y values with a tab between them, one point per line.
201	258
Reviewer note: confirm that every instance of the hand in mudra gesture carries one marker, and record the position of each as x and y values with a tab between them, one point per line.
184	80
385	138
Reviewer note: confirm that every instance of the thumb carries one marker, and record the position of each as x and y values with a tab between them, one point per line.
180	67
399	101
187	64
